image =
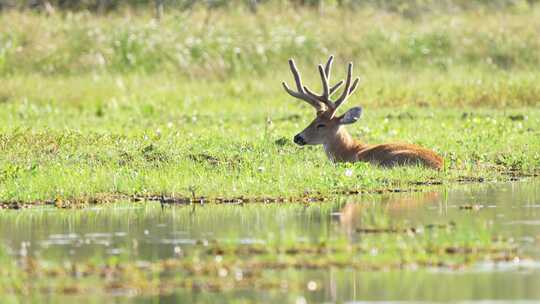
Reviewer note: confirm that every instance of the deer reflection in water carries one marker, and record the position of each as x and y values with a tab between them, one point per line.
381	213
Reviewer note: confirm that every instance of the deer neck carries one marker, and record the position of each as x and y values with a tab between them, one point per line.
342	147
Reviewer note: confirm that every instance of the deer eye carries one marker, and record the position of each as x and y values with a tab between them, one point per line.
321	126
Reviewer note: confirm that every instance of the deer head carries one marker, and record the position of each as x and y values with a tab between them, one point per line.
326	124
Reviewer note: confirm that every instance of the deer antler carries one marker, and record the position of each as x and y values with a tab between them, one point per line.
301	93
348	88
323	102
325	78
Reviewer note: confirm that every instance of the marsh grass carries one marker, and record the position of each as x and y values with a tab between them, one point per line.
102	108
156	136
236	42
293	241
123	104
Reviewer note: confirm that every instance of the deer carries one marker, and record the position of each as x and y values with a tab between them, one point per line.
328	128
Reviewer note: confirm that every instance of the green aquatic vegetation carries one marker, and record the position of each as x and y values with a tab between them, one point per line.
227	262
148	249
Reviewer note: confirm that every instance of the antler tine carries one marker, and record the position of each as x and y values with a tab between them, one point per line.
335	87
327	72
324	80
354	85
303	97
326	101
296	76
348	89
311	93
328	67
301	94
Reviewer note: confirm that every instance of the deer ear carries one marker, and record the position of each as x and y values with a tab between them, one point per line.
351	116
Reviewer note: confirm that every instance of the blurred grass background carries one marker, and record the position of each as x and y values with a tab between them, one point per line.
447	52
229	39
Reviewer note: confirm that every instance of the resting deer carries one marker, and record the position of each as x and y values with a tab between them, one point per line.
328	129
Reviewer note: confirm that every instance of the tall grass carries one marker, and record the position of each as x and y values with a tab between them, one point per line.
408	7
227	42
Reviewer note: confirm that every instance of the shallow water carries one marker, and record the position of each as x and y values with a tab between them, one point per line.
150	232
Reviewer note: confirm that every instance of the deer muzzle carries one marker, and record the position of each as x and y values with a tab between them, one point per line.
299	140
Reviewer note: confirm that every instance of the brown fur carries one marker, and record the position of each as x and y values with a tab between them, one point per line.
389	155
341	147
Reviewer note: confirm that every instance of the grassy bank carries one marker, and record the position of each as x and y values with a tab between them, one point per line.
153	135
94	106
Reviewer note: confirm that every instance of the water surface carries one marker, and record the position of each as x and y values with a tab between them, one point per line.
151	232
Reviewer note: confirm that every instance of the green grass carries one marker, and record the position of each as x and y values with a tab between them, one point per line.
156	136
232	41
123	104
98	108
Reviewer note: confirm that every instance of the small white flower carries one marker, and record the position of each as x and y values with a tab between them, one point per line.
223	272
239	275
348	172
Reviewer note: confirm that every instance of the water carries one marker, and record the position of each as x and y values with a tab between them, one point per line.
149	232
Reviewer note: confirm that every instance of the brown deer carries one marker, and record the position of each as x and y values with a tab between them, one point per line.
328	129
